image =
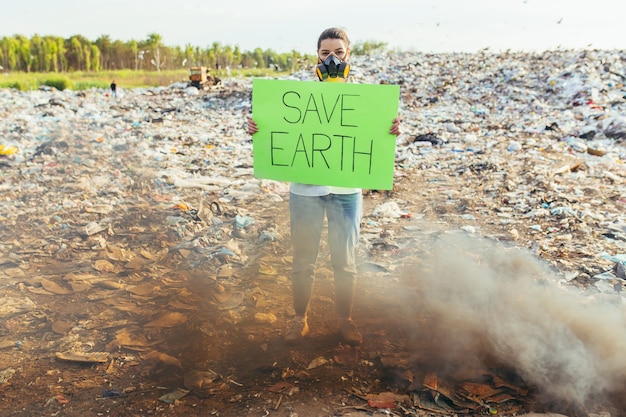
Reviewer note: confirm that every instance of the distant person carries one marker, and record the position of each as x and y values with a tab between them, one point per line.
113	89
342	207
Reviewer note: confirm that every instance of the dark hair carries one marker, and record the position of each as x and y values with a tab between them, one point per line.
333	33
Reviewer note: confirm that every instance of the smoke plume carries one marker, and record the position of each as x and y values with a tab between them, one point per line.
487	300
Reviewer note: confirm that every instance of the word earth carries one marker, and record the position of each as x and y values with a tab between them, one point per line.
325	146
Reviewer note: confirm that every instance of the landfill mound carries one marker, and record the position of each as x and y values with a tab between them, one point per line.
145	271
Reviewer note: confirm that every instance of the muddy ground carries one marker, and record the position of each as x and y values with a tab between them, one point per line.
127	292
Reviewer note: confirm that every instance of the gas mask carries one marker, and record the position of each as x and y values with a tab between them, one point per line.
332	69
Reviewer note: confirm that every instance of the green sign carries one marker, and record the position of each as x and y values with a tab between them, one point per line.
325	133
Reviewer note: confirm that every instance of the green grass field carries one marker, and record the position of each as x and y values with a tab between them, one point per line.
124	79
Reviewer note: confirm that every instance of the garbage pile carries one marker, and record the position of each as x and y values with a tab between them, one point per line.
141	211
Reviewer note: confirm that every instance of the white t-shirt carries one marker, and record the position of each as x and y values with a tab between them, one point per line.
309	190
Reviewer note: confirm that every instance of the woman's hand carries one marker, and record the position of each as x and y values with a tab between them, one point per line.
252	127
395	126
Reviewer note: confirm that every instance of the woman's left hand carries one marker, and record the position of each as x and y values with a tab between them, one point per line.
252	126
395	126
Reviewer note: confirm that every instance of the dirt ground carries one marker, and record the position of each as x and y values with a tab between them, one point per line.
156	307
231	363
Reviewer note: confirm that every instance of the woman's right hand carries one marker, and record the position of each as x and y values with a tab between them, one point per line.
252	127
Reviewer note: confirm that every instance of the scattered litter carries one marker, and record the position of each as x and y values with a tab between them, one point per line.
7	150
6	375
317	362
111	393
172	397
389	210
87	357
147	208
229	301
53	287
5	344
200	379
163	358
346	355
265	318
10	306
284	388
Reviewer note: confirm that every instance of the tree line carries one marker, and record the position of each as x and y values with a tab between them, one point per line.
77	53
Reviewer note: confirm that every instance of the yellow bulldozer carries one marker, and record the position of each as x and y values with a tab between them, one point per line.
200	78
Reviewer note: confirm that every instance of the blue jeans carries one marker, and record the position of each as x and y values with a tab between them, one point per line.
343	212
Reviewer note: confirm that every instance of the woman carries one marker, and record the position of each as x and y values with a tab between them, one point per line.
308	204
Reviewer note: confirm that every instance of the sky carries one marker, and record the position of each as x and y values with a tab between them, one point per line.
286	25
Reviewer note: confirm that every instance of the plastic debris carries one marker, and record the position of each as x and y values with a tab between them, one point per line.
10	306
317	362
200	379
6	375
172	397
265	318
87	357
7	150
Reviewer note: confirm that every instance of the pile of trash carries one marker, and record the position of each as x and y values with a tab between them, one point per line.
119	201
